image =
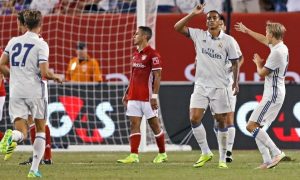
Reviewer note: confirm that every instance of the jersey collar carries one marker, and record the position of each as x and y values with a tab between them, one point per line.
217	38
144	50
28	33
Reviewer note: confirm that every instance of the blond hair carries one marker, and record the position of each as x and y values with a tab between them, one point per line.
276	29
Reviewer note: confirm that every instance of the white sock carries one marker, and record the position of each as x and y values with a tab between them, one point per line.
216	127
264	138
222	142
17	136
200	135
38	150
230	138
264	151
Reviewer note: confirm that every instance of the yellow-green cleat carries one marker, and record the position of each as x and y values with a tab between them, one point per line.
203	159
32	174
9	151
160	158
132	158
223	165
4	140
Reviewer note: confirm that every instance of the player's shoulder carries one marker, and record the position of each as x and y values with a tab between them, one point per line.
153	52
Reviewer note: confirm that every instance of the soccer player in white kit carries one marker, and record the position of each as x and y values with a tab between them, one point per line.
212	80
274	71
230	116
27	56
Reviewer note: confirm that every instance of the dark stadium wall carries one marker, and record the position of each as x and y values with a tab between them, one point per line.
62	33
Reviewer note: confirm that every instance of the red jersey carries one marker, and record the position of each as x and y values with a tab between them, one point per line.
141	80
2	86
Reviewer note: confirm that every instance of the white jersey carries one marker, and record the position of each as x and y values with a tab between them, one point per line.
277	62
211	58
25	53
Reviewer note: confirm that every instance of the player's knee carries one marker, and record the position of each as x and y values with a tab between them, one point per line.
251	126
195	120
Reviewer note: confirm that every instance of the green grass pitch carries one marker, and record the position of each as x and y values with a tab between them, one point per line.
102	165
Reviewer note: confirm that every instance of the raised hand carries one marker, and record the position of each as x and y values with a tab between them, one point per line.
240	27
199	8
257	59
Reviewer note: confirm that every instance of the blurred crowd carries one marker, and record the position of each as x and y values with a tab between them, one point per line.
164	6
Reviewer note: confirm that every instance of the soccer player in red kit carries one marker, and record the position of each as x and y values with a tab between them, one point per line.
141	95
2	95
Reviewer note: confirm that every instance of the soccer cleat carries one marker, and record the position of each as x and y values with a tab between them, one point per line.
3	143
223	165
32	174
28	162
262	166
9	151
160	158
229	158
46	162
276	160
132	158
203	159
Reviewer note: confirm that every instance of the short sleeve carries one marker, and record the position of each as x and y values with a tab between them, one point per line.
43	54
195	33
156	61
238	49
273	60
232	50
8	47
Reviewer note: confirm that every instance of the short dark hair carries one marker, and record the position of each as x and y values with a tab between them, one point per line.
146	30
222	18
215	11
81	45
32	19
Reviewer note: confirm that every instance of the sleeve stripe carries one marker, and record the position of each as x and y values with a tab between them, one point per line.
6	52
269	68
153	69
43	60
234	59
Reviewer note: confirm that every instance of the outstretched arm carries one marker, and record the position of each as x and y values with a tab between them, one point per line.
259	37
180	26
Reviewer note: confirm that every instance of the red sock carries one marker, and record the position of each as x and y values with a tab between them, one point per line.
135	142
32	133
47	155
1	135
160	141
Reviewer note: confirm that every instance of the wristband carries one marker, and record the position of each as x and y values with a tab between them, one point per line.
154	96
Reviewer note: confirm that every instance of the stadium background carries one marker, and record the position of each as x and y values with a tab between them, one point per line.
178	56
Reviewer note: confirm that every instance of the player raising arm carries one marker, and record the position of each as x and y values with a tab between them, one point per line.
274	71
212	79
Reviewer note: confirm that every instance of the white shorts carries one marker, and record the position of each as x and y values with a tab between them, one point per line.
140	108
266	112
21	107
219	99
2	102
